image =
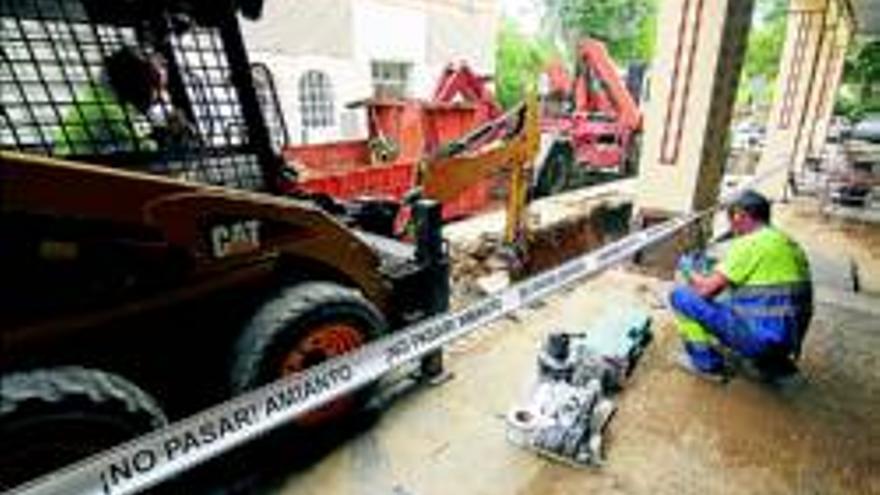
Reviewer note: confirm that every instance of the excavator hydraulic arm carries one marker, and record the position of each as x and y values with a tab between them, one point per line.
509	142
598	65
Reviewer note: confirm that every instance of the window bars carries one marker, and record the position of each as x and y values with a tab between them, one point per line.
61	95
316	100
390	79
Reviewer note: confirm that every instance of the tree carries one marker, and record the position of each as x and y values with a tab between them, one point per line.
519	62
864	67
628	27
763	53
861	75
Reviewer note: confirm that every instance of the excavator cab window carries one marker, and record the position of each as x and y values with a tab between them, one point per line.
157	86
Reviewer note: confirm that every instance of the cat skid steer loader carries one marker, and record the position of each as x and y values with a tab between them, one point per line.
149	274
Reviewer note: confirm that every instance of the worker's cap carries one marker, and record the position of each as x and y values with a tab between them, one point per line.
753	203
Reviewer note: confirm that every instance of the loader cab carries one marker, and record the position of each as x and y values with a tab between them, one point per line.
208	126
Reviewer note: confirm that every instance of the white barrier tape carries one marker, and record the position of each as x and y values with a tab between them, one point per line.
160	455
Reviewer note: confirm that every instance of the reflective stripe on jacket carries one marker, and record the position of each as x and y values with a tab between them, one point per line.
777	314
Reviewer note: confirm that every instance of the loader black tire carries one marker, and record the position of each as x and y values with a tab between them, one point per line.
284	336
555	174
632	157
55	416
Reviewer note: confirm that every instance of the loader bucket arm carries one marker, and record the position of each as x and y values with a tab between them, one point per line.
595	57
444	177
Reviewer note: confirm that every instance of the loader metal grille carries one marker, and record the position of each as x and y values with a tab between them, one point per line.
54	94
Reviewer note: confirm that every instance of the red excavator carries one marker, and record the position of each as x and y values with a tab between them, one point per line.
592	121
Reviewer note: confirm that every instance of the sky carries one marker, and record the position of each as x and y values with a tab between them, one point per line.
526	13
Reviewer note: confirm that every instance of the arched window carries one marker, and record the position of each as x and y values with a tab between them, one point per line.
315	100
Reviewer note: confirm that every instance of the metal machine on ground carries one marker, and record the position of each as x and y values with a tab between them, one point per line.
590	124
148	273
565	416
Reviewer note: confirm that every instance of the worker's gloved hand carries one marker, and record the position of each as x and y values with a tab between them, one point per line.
685	266
694	262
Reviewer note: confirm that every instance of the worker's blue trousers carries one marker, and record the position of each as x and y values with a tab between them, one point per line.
703	321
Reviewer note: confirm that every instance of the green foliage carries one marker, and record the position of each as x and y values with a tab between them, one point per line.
846	103
519	62
646	35
863	63
763	52
851	103
861	76
628	27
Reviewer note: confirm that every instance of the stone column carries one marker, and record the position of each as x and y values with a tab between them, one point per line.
837	38
694	75
787	129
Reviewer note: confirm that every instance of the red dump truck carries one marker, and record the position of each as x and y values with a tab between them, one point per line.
401	133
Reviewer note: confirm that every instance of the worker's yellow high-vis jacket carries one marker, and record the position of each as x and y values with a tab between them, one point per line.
771	287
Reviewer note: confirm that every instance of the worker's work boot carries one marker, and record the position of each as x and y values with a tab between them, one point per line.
716	376
789	384
778	371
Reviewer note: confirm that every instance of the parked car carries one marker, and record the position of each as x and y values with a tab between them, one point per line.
867	129
839	129
748	134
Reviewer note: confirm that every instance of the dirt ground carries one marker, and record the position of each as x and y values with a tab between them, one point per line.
673	433
835	237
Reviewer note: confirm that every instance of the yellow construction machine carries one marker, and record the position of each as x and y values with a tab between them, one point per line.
506	145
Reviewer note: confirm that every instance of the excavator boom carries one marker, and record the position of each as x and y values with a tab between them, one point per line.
597	63
590	123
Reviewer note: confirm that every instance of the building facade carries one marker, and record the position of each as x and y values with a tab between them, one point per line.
327	54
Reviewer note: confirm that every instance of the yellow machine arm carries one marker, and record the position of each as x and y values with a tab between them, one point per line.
509	142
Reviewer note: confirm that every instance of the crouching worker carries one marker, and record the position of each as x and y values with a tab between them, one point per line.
756	302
